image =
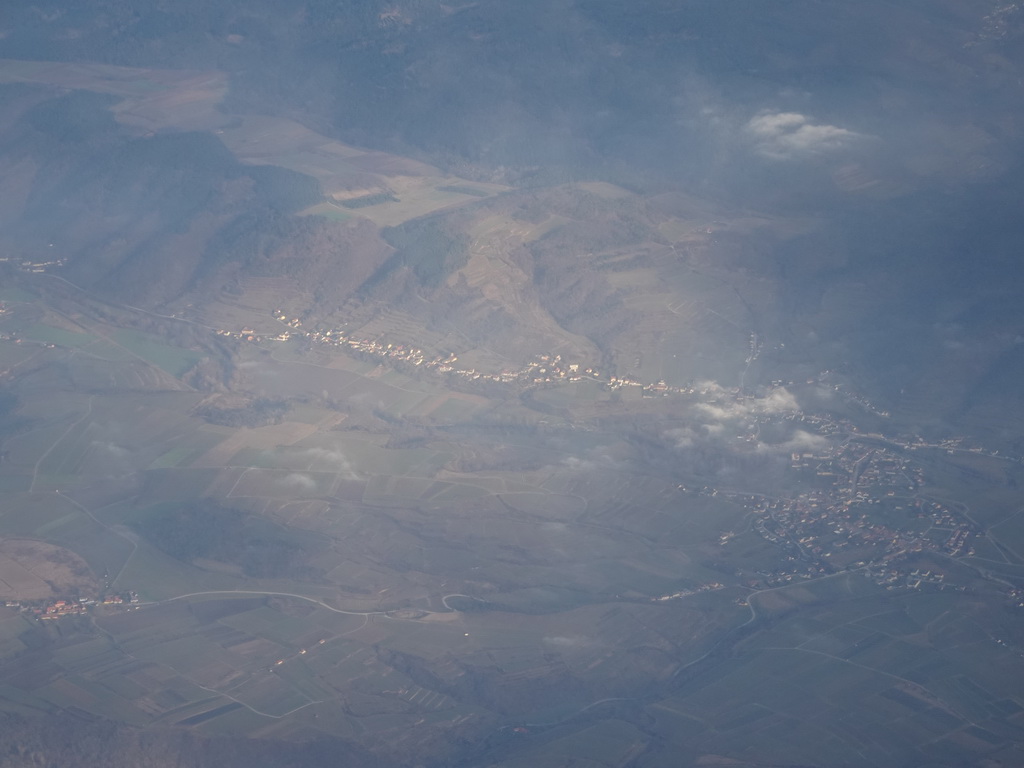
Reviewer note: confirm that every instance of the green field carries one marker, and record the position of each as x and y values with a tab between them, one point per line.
187	452
174	360
59	336
11	293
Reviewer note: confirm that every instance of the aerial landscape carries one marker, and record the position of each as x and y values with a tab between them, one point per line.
549	383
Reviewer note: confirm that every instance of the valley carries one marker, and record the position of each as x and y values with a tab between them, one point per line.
311	448
309	592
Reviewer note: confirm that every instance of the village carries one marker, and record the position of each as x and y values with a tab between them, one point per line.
865	511
862	509
59	608
711	586
860	506
544	369
38	266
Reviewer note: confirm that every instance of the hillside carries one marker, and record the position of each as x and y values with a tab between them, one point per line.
500	384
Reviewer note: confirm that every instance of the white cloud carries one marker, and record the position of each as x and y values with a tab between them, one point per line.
775	124
566	642
336	460
112	457
111	449
791	135
684	437
598	459
576	463
722	412
799	442
806	441
779	400
299	481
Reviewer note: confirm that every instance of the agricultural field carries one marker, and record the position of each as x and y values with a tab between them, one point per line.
400	583
34	570
887	666
188	100
194	661
48	334
174	360
621	511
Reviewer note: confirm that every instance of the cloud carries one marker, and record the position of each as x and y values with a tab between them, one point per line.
597	460
722	412
779	400
799	442
791	136
576	463
335	459
684	437
776	124
727	415
112	457
111	449
549	526
299	481
566	642
805	441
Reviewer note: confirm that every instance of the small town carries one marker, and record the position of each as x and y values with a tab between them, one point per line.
552	369
868	513
544	369
50	609
711	586
38	266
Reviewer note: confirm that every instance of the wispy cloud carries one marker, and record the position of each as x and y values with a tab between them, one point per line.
791	135
596	460
684	437
777	401
334	459
798	442
111	449
566	642
299	482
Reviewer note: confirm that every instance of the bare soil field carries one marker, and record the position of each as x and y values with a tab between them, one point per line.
286	433
35	570
157	99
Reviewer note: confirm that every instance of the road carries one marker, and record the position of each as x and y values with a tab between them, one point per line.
308	599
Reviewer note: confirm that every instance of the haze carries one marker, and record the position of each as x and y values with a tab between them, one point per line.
511	383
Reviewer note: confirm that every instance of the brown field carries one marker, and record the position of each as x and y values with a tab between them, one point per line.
491	269
153	98
417	195
286	433
605	190
156	100
35	570
252	308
